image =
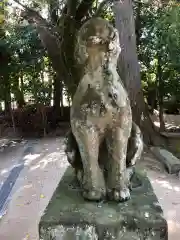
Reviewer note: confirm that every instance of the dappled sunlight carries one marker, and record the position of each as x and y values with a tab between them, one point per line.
50	158
167	185
7	170
7	143
42	174
28	186
171	214
4	171
172	122
30	157
167	190
157	124
173	227
22	188
35	167
167	125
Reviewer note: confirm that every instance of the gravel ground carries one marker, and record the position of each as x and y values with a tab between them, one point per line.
167	189
40	176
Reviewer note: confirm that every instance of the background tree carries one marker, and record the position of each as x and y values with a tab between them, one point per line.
130	70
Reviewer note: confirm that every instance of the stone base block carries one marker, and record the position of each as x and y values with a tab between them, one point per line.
69	217
171	162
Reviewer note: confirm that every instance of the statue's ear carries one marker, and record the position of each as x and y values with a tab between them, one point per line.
111	32
80	52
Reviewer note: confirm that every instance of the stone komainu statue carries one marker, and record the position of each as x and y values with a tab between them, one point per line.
103	143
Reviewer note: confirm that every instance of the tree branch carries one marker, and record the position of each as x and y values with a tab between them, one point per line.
53	9
83	9
31	14
72	7
37	20
22	5
48	34
101	7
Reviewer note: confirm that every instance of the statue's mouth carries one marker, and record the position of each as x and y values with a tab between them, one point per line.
96	40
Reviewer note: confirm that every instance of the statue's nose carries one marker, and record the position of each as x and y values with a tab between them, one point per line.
112	96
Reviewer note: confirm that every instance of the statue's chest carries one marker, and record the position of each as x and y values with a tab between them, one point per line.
99	96
97	105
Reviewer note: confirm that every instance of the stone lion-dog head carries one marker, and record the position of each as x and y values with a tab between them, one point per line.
96	38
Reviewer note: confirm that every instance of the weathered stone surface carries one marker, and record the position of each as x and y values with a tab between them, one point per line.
171	162
69	217
171	134
101	116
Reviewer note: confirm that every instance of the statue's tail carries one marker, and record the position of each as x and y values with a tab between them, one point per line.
72	151
135	146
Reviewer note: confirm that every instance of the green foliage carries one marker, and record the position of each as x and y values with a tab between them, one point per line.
160	41
158	33
27	59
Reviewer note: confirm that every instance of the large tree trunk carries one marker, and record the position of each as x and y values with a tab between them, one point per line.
130	71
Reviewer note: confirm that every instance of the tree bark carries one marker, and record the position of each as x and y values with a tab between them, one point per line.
160	94
50	80
129	70
83	9
18	92
57	93
22	86
53	11
138	23
7	96
152	96
61	99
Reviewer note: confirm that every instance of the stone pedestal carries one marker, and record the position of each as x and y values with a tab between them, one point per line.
171	162
69	217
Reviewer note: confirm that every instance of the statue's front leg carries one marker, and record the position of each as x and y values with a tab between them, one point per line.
117	182
93	181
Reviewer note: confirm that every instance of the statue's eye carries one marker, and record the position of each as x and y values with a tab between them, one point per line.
115	96
110	95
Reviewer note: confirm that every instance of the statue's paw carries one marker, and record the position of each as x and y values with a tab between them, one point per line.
120	195
94	195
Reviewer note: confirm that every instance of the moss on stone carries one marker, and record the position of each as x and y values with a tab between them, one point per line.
69	216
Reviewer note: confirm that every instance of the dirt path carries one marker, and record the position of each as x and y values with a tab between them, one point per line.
34	188
167	189
9	158
40	176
